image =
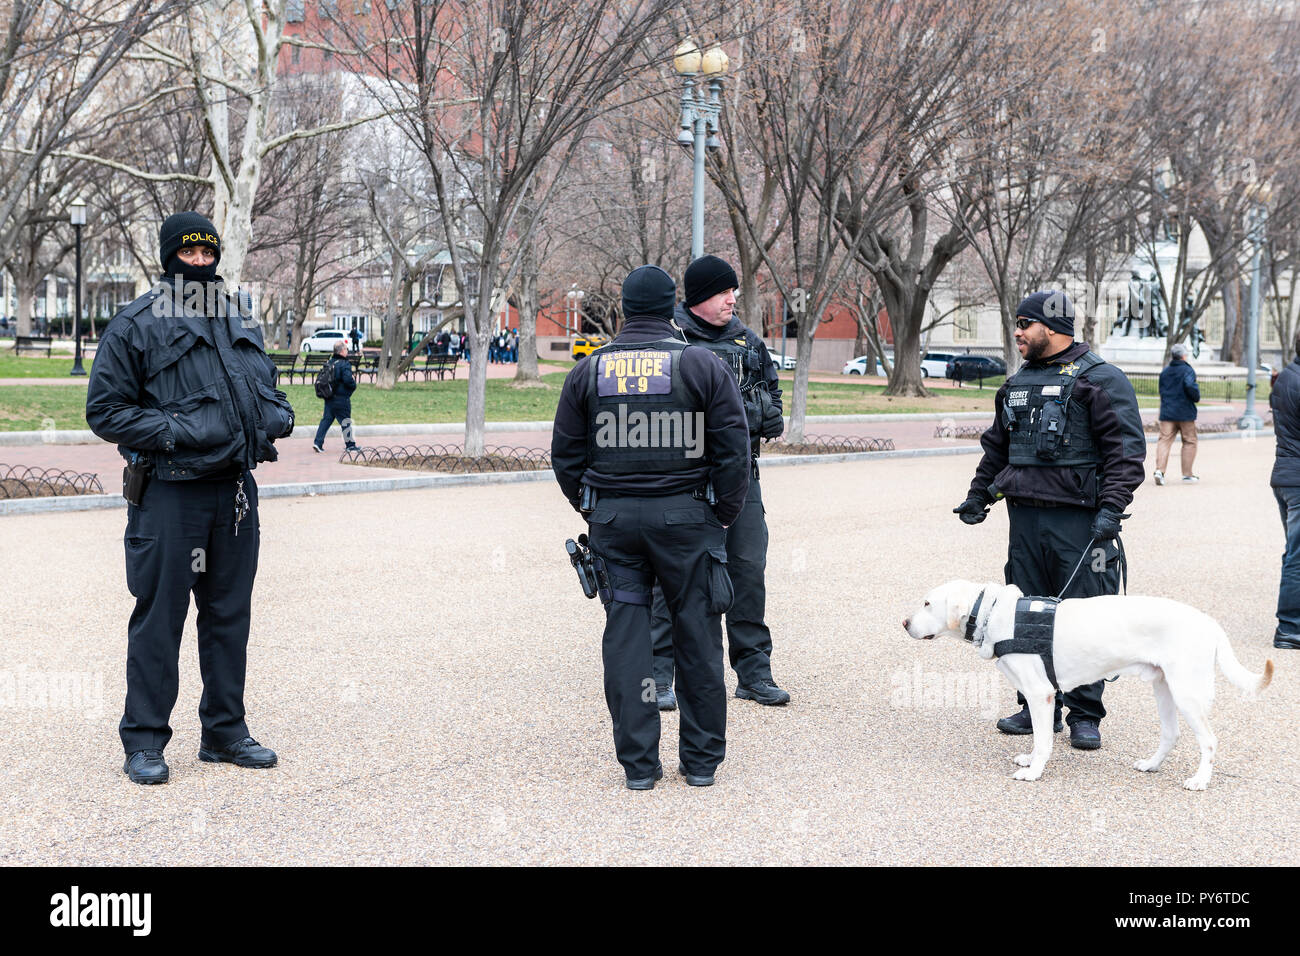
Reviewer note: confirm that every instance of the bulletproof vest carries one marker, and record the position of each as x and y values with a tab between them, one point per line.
640	416
1034	629
1045	426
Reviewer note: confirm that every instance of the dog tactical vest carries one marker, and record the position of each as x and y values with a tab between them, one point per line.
1045	427
640	416
1034	628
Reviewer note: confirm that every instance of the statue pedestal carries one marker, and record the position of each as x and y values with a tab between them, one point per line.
1128	350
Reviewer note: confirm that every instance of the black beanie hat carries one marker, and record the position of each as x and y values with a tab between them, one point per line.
1053	309
186	229
706	277
648	290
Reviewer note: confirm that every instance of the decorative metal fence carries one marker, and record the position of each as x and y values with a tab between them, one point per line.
449	458
23	481
830	445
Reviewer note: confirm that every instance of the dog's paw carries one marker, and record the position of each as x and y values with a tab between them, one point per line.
1028	773
1023	760
1195	783
1146	766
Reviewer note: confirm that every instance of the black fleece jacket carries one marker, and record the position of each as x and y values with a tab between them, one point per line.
726	436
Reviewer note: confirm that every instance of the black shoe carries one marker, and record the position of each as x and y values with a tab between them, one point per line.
695	779
667	699
645	783
352	448
1290	642
147	766
1085	735
1022	723
763	691
243	753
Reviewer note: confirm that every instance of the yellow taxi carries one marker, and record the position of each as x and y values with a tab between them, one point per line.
586	344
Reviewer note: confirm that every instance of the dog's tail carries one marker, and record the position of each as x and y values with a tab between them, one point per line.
1248	681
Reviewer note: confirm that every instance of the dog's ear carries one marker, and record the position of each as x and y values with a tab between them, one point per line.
960	598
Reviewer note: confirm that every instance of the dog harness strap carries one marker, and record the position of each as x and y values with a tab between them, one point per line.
974	618
1034	628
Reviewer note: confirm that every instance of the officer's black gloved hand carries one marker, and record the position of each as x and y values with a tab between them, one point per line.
973	510
773	423
1106	525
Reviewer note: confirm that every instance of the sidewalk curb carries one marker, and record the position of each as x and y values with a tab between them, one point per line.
14	506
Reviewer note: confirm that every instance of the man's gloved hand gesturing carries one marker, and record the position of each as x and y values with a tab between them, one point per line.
1106	525
973	510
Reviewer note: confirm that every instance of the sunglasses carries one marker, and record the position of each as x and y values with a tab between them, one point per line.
1023	324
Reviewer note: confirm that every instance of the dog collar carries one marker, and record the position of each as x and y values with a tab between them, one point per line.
972	621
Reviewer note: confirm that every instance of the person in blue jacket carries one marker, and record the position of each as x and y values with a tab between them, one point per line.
1179	394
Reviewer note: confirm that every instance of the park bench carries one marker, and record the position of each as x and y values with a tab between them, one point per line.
312	363
363	364
285	365
33	343
439	365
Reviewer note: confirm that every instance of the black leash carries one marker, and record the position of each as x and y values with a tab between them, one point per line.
1123	565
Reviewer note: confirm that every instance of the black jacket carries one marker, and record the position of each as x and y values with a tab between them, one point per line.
763	408
344	382
1285	402
1179	392
1116	428
726	449
189	386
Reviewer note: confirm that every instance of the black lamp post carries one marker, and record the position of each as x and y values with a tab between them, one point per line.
78	217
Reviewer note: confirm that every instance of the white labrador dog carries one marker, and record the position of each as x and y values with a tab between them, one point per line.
1170	644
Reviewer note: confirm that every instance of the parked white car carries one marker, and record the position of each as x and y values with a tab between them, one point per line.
858	366
324	340
789	362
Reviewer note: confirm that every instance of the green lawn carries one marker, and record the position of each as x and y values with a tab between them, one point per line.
32	407
36	366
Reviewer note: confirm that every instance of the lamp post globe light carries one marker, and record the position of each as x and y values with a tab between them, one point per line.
573	306
77	215
1257	225
699	124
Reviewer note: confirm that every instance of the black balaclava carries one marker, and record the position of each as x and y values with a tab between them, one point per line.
187	229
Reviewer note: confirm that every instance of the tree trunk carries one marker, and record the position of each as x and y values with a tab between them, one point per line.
26	295
526	367
1232	326
394	327
901	305
803	363
476	401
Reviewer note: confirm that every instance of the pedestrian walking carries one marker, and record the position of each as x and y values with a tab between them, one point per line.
1179	394
335	385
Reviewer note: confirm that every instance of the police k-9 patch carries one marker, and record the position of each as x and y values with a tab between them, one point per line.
635	373
1017	397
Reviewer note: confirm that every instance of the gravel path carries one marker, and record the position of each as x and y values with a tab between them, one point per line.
439	700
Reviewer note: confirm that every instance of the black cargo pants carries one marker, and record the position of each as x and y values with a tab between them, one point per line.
1045	545
677	540
181	539
749	642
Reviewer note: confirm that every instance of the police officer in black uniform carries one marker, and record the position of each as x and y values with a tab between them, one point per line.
1066	451
706	317
656	429
183	386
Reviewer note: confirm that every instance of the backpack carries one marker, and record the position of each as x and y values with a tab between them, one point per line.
325	381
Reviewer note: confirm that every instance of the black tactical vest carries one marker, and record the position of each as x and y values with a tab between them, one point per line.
640	416
740	356
1046	427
